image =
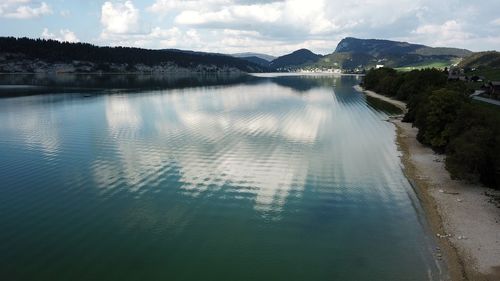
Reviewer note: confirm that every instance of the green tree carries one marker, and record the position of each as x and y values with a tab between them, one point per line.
435	117
474	150
468	155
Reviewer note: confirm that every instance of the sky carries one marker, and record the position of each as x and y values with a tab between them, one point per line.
274	27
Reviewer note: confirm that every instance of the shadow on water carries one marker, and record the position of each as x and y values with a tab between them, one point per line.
303	84
383	106
12	85
33	84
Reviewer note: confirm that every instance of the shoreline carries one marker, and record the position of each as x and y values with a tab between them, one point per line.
399	104
462	218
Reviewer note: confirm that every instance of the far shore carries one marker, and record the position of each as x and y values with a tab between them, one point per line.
461	215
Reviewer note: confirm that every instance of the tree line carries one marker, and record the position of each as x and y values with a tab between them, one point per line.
447	120
55	51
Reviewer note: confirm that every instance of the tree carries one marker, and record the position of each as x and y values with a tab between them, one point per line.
435	117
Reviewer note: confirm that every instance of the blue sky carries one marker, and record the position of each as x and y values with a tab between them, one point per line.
269	26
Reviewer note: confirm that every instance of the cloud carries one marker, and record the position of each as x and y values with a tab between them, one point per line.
122	26
167	6
119	18
65	13
280	26
301	17
266	13
156	38
23	9
449	33
65	35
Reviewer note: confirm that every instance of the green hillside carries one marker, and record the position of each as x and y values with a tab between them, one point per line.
486	64
354	53
482	59
346	60
296	59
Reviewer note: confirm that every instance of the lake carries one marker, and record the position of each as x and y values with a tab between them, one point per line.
255	178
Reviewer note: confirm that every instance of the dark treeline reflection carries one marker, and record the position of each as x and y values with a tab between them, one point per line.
35	84
303	83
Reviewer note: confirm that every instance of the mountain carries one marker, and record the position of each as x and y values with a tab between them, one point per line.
482	59
30	55
257	60
296	59
352	53
377	48
346	60
268	58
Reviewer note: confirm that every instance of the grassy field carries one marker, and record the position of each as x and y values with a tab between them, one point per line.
492	74
434	64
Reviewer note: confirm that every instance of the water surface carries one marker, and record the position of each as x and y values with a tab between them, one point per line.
276	178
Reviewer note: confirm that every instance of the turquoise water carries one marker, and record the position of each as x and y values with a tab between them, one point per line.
274	178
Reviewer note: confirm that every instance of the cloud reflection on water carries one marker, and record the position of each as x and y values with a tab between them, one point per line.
231	138
37	128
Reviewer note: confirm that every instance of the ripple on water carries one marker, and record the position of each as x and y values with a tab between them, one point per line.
258	181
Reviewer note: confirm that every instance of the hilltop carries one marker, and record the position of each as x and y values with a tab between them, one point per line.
302	57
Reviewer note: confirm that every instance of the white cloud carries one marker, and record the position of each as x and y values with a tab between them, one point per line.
167	6
65	13
156	38
280	26
23	9
255	13
119	18
65	35
275	26
198	18
122	26
448	33
304	17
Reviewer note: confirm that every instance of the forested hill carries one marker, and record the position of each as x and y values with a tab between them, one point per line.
354	53
296	59
378	48
482	59
38	55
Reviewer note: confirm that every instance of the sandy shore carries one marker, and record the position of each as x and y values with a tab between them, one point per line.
462	216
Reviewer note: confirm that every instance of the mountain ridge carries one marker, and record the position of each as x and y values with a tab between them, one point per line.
41	55
355	53
266	57
383	46
295	59
351	54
